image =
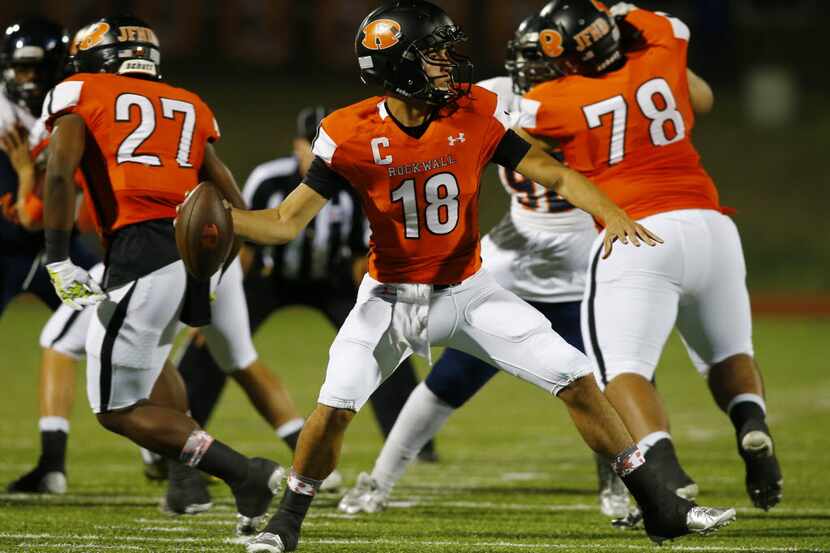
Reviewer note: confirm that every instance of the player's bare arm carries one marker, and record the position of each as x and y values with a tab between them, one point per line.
15	145
73	285
283	223
700	93
65	150
540	167
215	170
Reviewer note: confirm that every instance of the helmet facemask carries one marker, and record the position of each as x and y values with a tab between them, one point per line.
27	84
447	74
32	55
526	65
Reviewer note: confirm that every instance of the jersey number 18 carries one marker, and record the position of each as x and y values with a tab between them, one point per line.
441	212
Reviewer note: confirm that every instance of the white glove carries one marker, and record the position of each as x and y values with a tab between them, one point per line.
73	285
622	9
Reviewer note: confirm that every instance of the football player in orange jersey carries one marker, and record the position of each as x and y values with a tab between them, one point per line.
141	145
415	157
623	115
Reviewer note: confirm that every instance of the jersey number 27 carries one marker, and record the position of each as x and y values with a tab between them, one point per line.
147	125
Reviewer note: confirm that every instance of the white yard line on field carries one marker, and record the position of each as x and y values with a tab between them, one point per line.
224	507
397	542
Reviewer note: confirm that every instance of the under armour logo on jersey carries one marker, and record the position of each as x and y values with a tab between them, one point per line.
453	139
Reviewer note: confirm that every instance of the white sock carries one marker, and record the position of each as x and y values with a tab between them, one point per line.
421	418
288	428
752	398
651	439
52	424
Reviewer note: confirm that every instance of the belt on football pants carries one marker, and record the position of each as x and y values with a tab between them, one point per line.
441	287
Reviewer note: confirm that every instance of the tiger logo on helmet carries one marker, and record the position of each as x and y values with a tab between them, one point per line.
381	34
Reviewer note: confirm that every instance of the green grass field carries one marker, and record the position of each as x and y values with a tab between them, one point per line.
513	475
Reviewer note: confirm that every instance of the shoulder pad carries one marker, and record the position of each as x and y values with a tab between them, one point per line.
64	96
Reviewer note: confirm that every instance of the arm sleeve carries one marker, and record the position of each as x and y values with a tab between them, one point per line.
358	238
323	179
510	151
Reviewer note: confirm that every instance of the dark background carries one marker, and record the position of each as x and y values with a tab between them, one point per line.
766	143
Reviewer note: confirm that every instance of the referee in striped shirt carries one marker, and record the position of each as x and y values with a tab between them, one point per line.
320	269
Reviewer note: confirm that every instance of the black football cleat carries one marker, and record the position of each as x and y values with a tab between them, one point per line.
39	480
187	493
763	474
631	521
675	517
698	520
254	495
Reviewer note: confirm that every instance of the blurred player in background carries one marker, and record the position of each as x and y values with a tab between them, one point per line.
539	251
415	157
32	57
141	145
318	269
623	115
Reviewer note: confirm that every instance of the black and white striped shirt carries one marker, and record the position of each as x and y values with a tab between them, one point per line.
325	248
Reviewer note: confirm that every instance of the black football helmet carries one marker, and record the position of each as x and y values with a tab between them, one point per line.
525	63
32	57
580	37
398	41
123	45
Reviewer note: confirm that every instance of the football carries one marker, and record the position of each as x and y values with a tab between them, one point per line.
204	231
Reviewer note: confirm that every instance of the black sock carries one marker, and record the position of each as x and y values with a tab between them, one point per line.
53	450
223	462
747	416
204	381
289	518
291	439
663	457
664	513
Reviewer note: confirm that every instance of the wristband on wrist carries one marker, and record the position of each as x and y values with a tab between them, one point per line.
57	245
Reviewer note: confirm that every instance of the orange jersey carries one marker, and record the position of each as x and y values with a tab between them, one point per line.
144	146
629	130
419	194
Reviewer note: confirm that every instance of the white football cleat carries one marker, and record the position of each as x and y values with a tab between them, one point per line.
53	482
613	495
332	483
365	497
265	542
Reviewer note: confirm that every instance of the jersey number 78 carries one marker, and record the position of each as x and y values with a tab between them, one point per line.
667	126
